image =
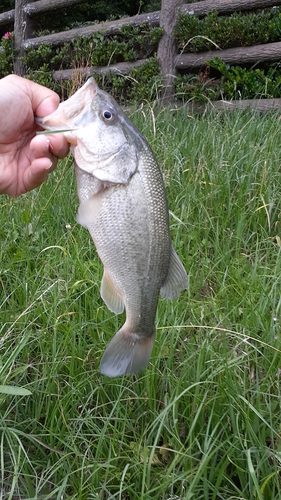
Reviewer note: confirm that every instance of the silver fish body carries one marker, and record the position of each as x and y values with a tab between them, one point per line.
123	205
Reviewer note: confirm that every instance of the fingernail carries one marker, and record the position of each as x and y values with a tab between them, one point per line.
50	166
48	144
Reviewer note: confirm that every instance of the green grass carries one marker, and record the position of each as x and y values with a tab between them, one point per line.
203	420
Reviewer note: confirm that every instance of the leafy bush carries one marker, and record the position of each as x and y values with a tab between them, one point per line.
74	16
142	84
232	82
238	29
237	82
132	43
7	54
199	87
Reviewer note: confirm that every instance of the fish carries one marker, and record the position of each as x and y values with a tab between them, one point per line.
123	204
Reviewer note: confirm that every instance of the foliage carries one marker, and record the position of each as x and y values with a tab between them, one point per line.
151	6
6	55
203	420
237	30
237	82
231	82
199	87
142	84
130	44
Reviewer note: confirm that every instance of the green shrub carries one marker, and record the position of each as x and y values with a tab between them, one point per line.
197	87
232	82
142	84
238	29
242	83
6	55
131	44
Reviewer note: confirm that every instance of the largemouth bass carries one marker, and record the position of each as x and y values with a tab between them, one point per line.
124	206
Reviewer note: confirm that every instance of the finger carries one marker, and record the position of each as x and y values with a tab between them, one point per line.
50	146
46	106
59	145
40	146
44	101
38	173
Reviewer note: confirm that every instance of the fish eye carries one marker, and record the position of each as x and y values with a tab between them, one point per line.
108	114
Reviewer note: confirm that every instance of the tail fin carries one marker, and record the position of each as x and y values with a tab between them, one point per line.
126	353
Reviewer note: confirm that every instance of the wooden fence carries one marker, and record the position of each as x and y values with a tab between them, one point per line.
170	61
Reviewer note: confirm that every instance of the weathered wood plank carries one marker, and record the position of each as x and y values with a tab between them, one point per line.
226	6
167	48
22	30
260	105
121	68
7	17
109	28
239	55
46	5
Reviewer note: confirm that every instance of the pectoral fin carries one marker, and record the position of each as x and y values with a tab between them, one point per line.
88	209
110	296
176	279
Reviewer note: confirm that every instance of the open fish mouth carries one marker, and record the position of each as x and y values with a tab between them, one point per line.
73	113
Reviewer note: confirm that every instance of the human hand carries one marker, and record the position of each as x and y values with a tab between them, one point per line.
26	159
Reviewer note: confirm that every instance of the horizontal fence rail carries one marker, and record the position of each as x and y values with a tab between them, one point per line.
267	52
109	28
226	6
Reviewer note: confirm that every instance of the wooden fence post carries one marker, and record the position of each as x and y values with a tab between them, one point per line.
22	31
167	50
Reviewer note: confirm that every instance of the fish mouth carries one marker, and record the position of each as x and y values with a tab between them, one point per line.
73	113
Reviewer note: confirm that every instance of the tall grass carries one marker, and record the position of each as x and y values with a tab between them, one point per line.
203	421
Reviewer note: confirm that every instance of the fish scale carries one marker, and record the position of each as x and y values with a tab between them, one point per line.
123	204
136	261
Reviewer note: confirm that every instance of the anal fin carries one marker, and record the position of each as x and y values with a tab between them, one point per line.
176	279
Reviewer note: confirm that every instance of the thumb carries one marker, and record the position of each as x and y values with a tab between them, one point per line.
43	100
